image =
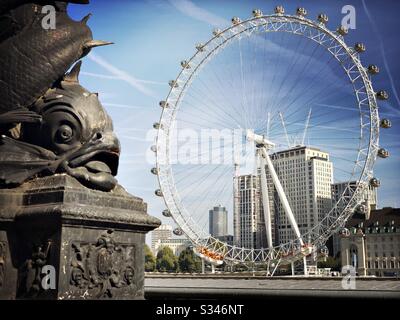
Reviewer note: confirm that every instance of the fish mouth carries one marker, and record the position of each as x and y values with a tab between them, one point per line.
99	160
95	166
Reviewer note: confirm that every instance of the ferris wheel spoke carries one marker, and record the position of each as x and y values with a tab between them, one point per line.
322	124
310	85
221	93
321	96
293	61
216	200
296	82
235	97
276	66
203	100
209	190
299	101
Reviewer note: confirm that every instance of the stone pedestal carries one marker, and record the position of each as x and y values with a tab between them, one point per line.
61	240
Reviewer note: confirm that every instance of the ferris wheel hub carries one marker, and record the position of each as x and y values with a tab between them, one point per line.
259	140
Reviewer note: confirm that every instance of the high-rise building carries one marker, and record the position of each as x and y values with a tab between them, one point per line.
218	221
163	232
306	176
249	216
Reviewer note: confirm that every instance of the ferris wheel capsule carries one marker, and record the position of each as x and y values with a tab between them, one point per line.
383	153
373	69
200	47
178	231
279	10
153	148
163	104
217	32
382	95
359	47
156	125
166	213
301	12
236	20
257	13
173	84
323	18
158	193
374	182
386	124
185	64
154	171
342	30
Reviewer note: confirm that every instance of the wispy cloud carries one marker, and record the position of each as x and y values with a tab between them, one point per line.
119	105
111	77
121	74
190	9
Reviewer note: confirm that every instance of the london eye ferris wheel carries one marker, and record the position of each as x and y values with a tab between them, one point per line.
260	89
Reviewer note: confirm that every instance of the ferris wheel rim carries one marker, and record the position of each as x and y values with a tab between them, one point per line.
168	188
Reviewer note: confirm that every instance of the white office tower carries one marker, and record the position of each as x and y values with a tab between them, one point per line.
163	232
250	227
218	221
306	175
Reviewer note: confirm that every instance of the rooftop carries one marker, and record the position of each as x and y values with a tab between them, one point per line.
382	217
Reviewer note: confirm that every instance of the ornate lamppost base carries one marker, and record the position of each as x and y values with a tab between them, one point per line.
61	240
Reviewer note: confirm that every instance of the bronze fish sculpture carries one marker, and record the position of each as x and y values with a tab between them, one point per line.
75	136
49	123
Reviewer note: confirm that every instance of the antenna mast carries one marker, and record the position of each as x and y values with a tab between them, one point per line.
306	127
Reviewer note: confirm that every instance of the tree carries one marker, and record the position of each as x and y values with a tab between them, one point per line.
331	262
189	262
166	260
149	259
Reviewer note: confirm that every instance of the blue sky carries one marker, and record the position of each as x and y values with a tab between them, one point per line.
151	38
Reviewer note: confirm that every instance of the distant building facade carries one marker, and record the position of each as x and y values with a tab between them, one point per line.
163	232
218	221
346	189
372	246
228	239
175	244
340	189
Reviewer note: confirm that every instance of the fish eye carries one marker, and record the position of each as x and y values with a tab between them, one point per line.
64	134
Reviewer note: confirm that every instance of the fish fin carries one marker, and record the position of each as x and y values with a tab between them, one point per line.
73	75
20	161
19	115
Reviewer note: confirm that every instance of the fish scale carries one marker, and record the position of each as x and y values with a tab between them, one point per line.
32	58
